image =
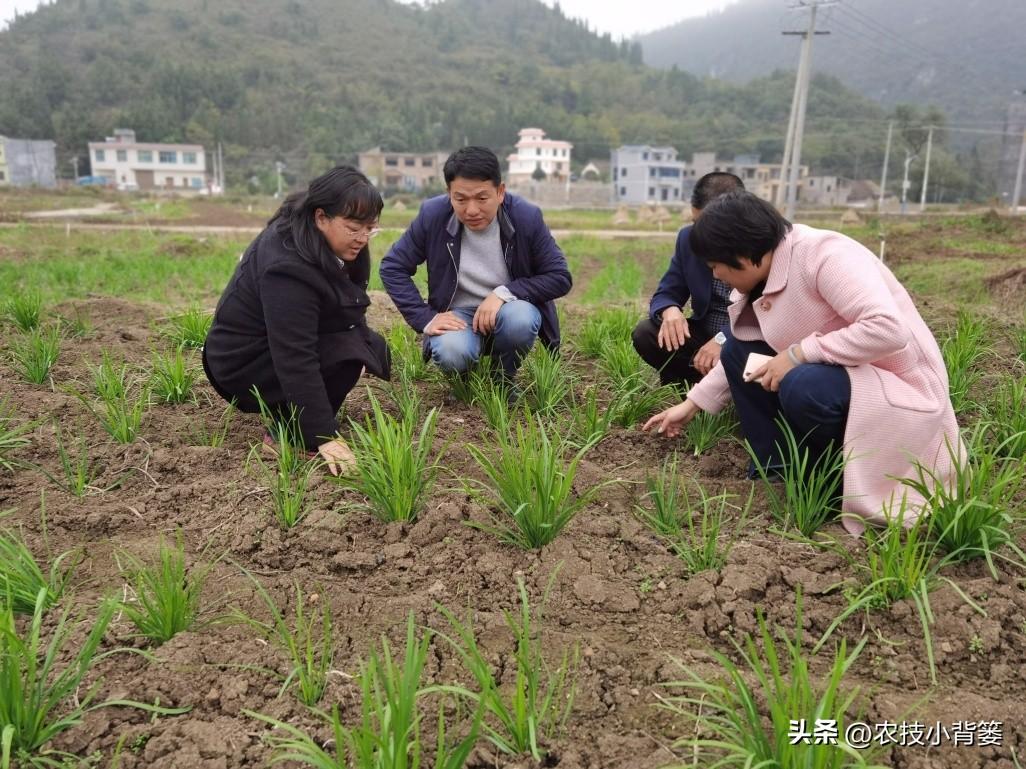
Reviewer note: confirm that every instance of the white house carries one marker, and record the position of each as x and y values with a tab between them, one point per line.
646	174
535	152
132	165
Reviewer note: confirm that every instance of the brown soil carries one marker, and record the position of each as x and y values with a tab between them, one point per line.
618	592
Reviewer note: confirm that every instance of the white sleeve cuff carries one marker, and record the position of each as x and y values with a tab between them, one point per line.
504	294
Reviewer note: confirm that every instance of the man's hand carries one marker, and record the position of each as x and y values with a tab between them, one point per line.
673	331
674	419
484	318
338	456
707	357
774	371
445	321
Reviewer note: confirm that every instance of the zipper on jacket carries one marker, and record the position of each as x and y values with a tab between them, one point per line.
456	285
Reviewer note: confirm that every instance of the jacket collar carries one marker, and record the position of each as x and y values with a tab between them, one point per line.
506	228
781	266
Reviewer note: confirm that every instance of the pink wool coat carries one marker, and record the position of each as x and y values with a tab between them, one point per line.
832	296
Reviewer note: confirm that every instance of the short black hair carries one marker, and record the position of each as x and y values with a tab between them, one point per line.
713	185
477	163
737	224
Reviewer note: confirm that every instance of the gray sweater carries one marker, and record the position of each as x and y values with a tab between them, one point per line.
482	266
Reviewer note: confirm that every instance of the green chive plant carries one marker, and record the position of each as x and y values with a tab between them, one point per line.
603	327
12	436
407	354
288	472
22	579
40	700
962	353
36	351
706	430
189	329
805	494
635	400
202	434
394	469
78	472
530	482
973	513
492	395
620	364
123	399
172	378
24	310
550	380
166	598
388	735
747	718
306	639
523	719
701	533
1006	417
590	420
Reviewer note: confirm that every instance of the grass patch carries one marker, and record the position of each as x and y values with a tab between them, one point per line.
530	484
23	581
603	326
123	399
288	473
35	352
24	310
550	380
12	437
394	469
962	351
172	378
189	329
706	430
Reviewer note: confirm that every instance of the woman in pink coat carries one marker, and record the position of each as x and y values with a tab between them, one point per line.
853	362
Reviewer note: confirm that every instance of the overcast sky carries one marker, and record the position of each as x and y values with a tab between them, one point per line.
622	18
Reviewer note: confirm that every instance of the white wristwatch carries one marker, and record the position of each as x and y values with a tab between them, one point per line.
720	338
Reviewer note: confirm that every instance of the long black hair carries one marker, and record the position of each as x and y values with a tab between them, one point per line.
342	191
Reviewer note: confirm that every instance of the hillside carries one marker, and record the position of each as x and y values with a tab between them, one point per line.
965	56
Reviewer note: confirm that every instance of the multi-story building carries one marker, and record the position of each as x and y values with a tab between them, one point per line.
764	179
132	165
826	190
27	163
533	153
409	171
645	174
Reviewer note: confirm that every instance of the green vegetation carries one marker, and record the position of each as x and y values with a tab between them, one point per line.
24	310
530	483
39	699
189	329
12	436
288	473
35	352
1006	417
602	326
166	598
962	352
541	700
706	430
746	719
307	641
388	735
394	469
22	581
550	380
124	399
701	534
79	472
803	494
172	377
202	433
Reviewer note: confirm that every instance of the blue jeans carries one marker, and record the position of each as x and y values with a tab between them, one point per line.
813	400
516	328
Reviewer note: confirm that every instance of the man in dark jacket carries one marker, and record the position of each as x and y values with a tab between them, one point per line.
684	350
493	269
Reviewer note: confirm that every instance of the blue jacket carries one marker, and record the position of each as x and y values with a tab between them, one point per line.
687	276
537	268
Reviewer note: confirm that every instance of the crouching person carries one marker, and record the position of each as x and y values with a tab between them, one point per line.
493	270
292	321
853	365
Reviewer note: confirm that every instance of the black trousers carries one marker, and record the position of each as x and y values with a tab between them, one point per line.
339	380
674	367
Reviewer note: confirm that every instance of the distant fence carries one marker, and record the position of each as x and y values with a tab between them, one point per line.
561	195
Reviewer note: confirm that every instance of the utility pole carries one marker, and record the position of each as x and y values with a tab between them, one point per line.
883	177
926	170
785	162
1018	175
905	183
804	68
220	167
280	167
74	162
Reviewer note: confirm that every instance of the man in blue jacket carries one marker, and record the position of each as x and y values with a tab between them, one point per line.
493	269
684	350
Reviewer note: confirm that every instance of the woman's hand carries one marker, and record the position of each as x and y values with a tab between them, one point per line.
776	369
671	421
338	456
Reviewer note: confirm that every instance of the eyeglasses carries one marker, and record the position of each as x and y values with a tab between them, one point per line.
360	232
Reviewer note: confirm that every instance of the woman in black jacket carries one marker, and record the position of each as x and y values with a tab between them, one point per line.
292	321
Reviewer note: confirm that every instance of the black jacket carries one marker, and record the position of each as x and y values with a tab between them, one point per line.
281	322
